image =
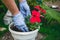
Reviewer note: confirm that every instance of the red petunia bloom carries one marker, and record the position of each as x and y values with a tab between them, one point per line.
32	19
44	11
40	9
35	19
35	13
38	19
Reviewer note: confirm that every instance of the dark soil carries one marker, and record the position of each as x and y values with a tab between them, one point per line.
16	29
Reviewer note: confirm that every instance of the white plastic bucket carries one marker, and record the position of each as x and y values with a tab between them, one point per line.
23	35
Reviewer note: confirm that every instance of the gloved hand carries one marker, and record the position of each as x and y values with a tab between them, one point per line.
19	22
24	8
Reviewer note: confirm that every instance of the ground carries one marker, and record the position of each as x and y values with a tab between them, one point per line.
8	36
57	3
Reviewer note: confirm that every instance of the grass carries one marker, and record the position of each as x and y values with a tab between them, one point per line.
52	29
2	25
52	32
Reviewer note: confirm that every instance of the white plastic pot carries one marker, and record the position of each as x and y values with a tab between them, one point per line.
23	35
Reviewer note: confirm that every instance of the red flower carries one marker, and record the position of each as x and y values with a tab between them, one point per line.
38	19
40	9
32	19
35	19
44	11
35	13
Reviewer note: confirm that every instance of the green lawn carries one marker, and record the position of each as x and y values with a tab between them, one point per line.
52	32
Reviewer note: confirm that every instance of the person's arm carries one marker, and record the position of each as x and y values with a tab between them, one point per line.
10	4
22	0
18	19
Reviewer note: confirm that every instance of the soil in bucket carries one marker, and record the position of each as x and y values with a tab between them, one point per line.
16	29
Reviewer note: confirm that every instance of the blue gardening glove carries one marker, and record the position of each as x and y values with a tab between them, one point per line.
19	22
24	8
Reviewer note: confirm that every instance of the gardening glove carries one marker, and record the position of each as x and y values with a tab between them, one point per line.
24	8
19	22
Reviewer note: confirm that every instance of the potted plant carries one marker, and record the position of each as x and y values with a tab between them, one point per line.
33	23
